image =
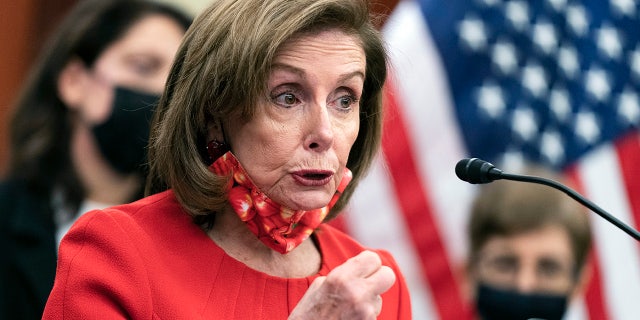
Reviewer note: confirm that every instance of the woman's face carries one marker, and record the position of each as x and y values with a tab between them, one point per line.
140	60
296	146
539	261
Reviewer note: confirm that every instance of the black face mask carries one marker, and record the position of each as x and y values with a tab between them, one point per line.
123	138
497	304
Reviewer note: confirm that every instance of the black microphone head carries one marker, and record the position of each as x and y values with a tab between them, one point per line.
474	170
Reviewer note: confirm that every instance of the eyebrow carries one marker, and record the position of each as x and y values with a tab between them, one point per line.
302	74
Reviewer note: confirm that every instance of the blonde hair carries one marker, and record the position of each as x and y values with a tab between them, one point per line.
221	71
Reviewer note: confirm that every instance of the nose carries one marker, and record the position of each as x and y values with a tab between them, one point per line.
320	132
526	281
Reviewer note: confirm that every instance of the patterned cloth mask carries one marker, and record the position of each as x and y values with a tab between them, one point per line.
278	227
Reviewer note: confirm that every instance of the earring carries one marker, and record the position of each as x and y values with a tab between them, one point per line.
216	149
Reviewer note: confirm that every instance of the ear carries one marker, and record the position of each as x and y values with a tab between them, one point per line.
72	83
466	276
582	279
214	131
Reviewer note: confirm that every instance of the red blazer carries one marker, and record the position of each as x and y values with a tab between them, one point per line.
148	260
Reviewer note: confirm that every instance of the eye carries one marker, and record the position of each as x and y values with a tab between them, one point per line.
144	69
501	263
505	264
144	66
286	99
550	268
346	102
500	269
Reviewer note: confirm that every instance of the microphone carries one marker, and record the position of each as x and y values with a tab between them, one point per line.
476	171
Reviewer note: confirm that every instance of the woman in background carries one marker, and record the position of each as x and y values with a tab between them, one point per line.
528	250
78	134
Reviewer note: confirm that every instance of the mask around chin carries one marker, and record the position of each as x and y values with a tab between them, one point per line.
497	304
278	227
123	137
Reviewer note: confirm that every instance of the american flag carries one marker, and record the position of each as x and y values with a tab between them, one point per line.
551	81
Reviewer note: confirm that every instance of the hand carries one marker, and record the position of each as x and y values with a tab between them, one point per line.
350	291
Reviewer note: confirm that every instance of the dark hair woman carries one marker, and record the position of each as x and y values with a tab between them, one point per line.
78	134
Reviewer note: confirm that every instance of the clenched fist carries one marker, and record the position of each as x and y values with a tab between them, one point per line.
350	291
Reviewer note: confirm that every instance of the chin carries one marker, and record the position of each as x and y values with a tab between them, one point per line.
309	201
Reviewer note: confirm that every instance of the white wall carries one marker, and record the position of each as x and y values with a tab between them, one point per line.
194	7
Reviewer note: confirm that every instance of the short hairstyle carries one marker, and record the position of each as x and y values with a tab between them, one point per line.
221	71
506	208
40	130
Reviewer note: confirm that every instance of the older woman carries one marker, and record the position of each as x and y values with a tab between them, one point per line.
271	115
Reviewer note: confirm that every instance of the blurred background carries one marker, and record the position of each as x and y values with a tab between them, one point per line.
553	82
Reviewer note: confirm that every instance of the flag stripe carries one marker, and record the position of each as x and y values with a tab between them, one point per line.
429	116
628	149
593	292
618	255
418	212
374	218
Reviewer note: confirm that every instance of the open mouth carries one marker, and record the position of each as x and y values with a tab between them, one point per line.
313	178
316	176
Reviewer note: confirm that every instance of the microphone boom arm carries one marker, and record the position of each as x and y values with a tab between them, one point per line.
573	194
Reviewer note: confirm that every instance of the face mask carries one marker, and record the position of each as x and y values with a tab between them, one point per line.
123	138
494	303
279	228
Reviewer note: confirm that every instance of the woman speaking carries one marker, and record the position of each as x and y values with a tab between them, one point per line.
271	115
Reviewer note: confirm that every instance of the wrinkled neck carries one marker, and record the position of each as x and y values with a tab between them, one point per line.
231	234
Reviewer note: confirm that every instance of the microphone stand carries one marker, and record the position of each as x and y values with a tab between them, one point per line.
573	194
